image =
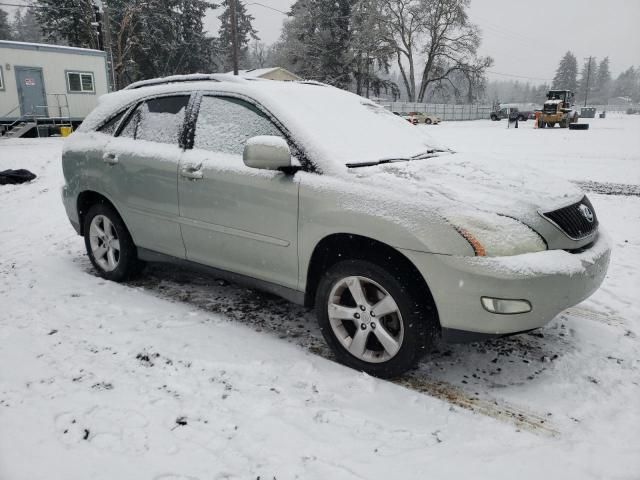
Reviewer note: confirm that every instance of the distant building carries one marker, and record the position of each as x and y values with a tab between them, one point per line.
48	84
270	73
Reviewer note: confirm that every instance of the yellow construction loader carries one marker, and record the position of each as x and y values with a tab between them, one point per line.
558	108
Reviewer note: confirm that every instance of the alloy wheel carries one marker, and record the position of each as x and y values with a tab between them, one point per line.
365	319
105	245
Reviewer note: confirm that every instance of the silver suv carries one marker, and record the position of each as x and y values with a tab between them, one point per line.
328	200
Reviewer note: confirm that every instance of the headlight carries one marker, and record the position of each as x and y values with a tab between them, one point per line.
495	235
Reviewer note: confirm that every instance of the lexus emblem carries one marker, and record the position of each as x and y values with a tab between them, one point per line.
586	213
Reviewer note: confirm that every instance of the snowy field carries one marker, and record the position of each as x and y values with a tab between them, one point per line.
181	376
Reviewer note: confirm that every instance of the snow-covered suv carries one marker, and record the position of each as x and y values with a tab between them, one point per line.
327	199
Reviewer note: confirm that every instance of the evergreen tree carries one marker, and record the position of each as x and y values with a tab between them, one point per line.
26	27
150	38
317	40
244	31
567	73
628	84
602	83
5	26
68	21
370	57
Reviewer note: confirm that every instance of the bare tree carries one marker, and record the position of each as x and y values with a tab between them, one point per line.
436	34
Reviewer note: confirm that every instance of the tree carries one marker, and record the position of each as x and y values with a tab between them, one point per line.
244	31
26	27
149	38
628	84
602	83
437	34
5	26
316	40
68	21
567	73
587	75
370	55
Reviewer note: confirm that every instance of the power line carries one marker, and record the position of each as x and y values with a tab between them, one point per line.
266	6
518	76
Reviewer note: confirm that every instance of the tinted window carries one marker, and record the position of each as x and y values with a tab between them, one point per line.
225	124
157	120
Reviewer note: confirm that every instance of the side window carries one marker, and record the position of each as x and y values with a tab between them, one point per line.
80	82
225	124
109	127
157	120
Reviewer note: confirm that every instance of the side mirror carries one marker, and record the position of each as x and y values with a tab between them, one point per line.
267	152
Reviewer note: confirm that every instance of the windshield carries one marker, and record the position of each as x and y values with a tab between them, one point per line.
337	128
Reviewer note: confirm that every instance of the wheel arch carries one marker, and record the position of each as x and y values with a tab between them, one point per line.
86	200
345	246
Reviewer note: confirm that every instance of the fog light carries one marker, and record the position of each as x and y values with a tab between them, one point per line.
504	306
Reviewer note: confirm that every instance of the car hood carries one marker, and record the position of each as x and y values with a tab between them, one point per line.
465	182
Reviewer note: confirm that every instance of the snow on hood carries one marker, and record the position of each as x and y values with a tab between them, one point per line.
454	182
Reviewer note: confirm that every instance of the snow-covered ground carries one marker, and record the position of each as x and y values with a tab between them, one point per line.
180	376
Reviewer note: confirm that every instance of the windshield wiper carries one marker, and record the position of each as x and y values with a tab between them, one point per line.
429	153
420	156
378	162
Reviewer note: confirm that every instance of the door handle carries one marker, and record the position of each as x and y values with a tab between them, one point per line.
110	158
192	172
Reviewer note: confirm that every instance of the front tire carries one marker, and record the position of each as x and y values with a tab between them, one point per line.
370	319
109	244
428	121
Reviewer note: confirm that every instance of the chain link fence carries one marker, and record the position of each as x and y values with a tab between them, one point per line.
446	112
479	111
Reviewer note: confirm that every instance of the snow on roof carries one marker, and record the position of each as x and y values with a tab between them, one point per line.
46	46
333	126
256	72
262	72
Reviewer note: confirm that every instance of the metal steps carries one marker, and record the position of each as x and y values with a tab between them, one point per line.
20	129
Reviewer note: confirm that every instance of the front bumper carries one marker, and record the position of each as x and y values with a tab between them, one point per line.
551	281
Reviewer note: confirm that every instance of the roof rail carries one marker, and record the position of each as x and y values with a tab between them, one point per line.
195	77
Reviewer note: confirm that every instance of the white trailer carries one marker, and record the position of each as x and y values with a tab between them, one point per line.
45	86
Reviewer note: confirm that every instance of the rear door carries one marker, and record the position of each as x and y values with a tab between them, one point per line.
141	163
31	91
235	217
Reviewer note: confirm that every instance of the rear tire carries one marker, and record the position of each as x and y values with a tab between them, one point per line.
428	121
381	339
109	244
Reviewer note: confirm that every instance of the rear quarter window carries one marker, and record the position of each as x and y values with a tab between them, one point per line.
157	120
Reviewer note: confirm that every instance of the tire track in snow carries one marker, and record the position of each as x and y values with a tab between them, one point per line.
595	316
608	188
298	325
523	419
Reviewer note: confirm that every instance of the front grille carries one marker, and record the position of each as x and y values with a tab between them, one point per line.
574	219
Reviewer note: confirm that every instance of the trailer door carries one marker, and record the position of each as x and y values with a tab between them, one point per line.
33	100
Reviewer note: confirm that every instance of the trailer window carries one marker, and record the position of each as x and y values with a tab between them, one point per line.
80	82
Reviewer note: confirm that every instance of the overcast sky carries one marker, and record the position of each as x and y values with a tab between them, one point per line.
525	38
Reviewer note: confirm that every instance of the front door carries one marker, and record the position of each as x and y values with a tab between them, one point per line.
234	217
33	99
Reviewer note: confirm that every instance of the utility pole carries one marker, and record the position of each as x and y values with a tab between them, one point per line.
586	93
106	30
234	36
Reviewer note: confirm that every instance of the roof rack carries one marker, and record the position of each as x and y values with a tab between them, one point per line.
195	77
